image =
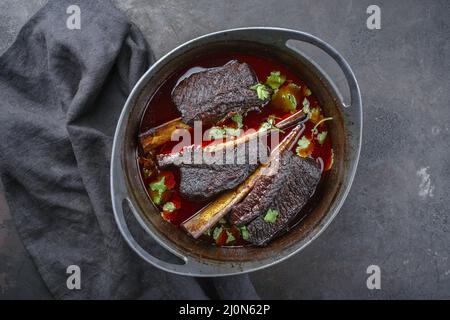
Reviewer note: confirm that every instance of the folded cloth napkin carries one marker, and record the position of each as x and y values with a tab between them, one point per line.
61	92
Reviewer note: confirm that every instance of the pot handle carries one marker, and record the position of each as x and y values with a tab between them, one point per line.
355	93
119	197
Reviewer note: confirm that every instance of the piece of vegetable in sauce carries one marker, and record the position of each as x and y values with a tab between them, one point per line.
169	207
220	236
271	215
261	90
230	237
232	132
237	118
315	116
158	187
306	109
321	136
304	148
244	232
286	97
306	91
275	80
292	102
269	123
303	143
217	231
216	133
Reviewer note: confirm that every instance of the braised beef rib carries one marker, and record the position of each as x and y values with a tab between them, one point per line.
286	192
223	170
217	93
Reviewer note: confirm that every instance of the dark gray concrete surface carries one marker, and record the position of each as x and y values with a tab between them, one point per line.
397	213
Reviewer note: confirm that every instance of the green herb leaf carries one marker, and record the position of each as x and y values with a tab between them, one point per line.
169	207
303	143
207	233
294	85
217	232
230	237
222	221
271	216
275	80
306	110
157	198
216	133
292	102
232	132
269	123
159	186
238	119
222	132
307	92
321	137
245	233
261	90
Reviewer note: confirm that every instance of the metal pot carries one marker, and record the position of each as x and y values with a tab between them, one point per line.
198	258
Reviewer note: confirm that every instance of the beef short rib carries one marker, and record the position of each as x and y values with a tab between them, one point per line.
217	93
201	181
286	192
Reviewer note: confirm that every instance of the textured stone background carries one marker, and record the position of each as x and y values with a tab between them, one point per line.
397	213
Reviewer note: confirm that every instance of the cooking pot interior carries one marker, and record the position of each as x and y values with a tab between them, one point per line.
319	205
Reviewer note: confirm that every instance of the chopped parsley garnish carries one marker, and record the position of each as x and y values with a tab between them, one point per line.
303	143
222	132
303	146
306	110
237	118
216	133
307	92
217	232
207	233
157	198
230	237
292	102
271	216
159	187
244	232
232	132
261	90
275	80
321	137
269	123
169	207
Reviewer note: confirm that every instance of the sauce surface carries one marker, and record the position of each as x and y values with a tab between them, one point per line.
161	109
